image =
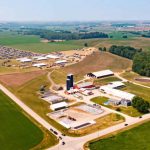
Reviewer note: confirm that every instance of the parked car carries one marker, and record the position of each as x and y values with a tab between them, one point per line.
55	133
63	143
63	134
51	129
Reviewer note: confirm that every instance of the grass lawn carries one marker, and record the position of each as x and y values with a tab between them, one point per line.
131	76
133	139
126	110
138	90
106	80
17	132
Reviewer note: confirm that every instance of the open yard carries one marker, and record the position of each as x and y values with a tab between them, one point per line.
133	139
17	131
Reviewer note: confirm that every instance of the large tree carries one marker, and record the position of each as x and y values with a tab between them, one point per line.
141	63
140	104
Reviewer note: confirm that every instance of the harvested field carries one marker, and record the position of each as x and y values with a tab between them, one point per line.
134	77
99	61
18	79
142	79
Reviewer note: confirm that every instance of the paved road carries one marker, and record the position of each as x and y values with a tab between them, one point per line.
78	142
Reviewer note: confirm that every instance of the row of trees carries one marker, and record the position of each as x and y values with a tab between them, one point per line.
141	59
103	49
140	104
146	36
64	35
124	51
141	63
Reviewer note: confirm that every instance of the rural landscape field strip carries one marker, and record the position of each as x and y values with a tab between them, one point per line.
133	139
16	130
34	43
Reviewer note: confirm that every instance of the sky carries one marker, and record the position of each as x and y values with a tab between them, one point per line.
74	10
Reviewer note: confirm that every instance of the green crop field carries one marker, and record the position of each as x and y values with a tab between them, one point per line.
17	132
12	38
133	139
48	47
34	44
116	35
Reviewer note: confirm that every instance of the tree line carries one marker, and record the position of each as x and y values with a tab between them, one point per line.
124	51
64	35
141	59
140	104
141	63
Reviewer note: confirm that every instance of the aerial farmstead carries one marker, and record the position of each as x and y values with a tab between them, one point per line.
73	115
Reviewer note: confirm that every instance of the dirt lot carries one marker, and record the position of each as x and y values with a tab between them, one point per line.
85	51
18	79
99	61
79	114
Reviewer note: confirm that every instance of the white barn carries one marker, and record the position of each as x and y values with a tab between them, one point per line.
61	62
117	93
101	74
24	60
116	84
58	106
51	56
39	65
